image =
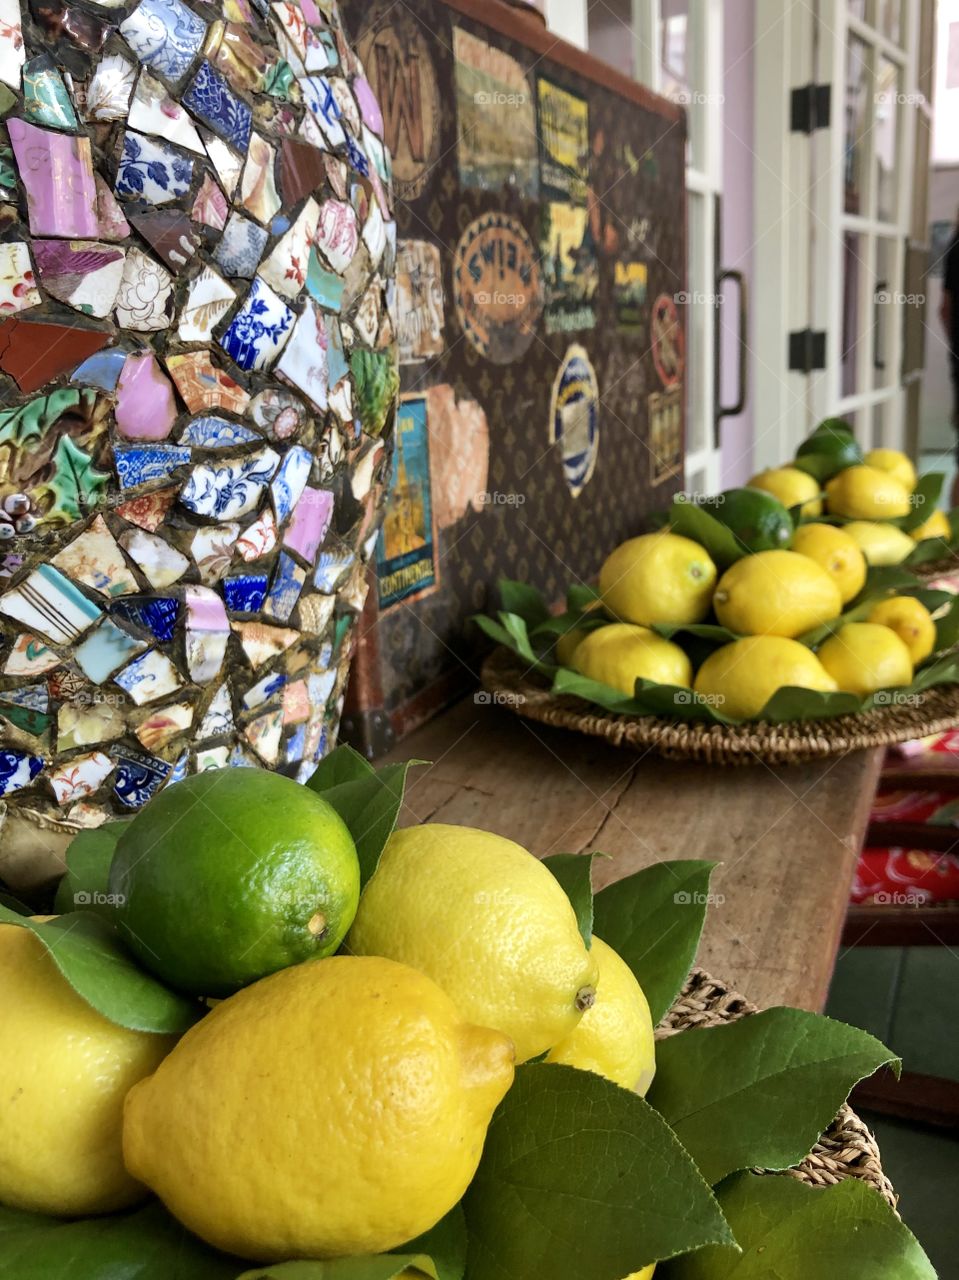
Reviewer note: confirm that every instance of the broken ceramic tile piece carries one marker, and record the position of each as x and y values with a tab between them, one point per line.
49	603
34	697
149	509
150	170
208	301
165	35
12	54
105	650
259	330
337	234
170	234
17	770
157	728
143	303
259	538
315	612
288	581
94	558
150	677
290	481
82	273
212	758
108	93
246	592
210	206
217	721
29	656
260	643
35	352
285	270
240	250
264	690
18	289
258	193
139	777
203	386
157	615
332	567
235	52
322	104
231	488
311	520
79	776
302	170
45	97
213	549
216	433
161	564
263	735
84	724
210	98
325	287
226	162
205	610
296	703
146	406
111	223
142	466
57	172
304	361
153	111
205	652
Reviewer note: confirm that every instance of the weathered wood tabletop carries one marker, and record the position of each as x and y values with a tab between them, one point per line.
787	838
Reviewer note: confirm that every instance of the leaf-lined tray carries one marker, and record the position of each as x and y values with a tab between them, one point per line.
514	683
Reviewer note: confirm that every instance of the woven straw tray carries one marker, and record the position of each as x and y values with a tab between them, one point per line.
506	677
846	1150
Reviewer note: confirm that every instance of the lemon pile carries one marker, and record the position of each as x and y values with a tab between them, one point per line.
338	1106
773	594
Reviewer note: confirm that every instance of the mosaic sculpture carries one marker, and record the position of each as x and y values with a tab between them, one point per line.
197	388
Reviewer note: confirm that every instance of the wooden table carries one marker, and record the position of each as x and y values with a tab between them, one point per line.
787	838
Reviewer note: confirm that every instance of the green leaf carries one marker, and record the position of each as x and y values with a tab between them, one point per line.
654	919
650	699
75	484
520	643
791	705
947	627
146	1245
368	802
91	957
759	1092
692	521
343	764
924	498
580	598
85	887
788	1230
14	904
382	1266
574	871
886	580
524	600
581	1178
702	631
445	1244
928	551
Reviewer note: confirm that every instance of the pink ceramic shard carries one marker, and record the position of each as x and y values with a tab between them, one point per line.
110	220
146	406
57	171
205	610
311	519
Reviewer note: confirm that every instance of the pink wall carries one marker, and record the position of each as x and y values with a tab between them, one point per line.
738	232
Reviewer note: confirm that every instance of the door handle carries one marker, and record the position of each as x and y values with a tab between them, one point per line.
730	411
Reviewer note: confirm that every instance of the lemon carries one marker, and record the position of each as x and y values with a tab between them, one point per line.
778	593
864	656
741	677
615	1037
896	463
659	577
233	874
64	1072
489	923
881	544
911	621
792	487
337	1107
937	526
835	552
866	493
620	654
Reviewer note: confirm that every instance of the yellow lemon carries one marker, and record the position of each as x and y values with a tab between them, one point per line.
895	463
866	493
615	1037
911	621
659	577
937	526
336	1107
741	677
792	487
778	593
864	656
64	1072
488	922
835	552
881	544
567	643
621	654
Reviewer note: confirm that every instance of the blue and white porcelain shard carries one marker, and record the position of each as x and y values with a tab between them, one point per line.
184	542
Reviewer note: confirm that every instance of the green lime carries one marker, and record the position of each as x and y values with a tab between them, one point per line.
830	449
230	875
758	521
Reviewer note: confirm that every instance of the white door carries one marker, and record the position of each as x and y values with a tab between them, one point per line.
675	47
836	106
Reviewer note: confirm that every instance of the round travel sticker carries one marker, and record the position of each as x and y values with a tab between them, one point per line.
497	287
574	418
668	341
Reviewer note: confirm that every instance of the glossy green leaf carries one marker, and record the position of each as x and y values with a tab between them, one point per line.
523	600
792	706
343	764
692	521
581	1178
701	630
146	1245
369	802
654	919
91	957
788	1230
382	1266
760	1091
580	598
444	1244
649	700
886	580
947	627
518	633
85	887
924	498
574	871
929	551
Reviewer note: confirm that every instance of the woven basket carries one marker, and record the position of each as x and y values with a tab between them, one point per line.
512	685
846	1150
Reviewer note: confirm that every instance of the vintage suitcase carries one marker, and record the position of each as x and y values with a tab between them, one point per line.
541	275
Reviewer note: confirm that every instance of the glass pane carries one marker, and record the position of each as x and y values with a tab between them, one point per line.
610	32
890	19
851	321
888	301
675	56
857	9
858	92
887	133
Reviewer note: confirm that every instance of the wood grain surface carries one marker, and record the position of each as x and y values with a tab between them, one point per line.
787	838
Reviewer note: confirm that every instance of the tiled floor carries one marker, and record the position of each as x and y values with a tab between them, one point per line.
909	998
